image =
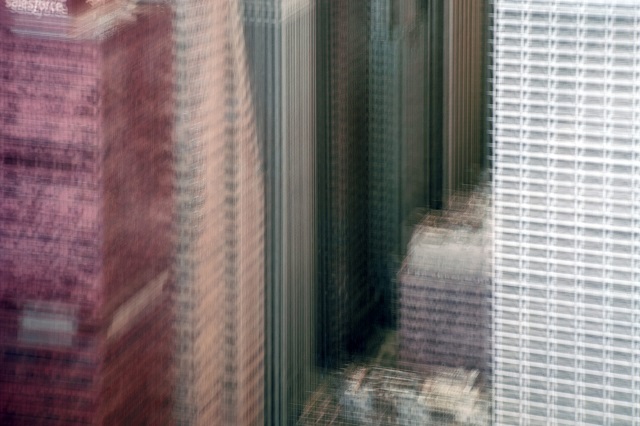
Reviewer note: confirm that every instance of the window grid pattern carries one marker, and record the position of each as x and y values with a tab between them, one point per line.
566	197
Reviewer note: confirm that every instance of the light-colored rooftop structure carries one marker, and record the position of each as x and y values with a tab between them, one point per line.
369	394
375	395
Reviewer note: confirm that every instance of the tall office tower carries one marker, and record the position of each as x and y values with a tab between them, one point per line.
455	112
281	44
346	302
221	227
397	136
443	286
86	246
567	202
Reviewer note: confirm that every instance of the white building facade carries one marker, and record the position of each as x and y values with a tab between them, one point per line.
566	180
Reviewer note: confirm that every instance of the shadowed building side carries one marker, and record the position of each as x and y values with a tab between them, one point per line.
346	297
396	170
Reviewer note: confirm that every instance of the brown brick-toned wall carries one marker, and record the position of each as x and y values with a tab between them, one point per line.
463	93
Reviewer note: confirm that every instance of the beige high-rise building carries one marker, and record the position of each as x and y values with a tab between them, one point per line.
220	280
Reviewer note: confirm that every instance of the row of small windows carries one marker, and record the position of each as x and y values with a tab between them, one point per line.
587	13
555	148
567	39
568	376
528	83
543	413
579	271
569	373
539	47
546	326
505	415
564	394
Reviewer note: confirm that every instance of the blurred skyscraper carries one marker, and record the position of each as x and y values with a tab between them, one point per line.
281	40
455	112
86	209
220	297
396	136
443	285
567	203
425	122
347	302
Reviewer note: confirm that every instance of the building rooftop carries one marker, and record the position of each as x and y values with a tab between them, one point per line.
369	394
455	241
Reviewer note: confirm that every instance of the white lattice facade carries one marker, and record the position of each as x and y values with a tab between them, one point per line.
566	158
